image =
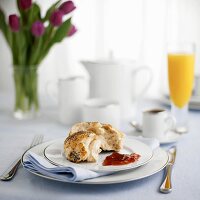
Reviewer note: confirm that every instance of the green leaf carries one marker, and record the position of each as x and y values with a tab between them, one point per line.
45	42
54	36
34	13
61	32
19	48
36	50
15	49
2	22
22	47
50	10
22	14
18	6
5	28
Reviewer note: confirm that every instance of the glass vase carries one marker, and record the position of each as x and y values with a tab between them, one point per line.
26	92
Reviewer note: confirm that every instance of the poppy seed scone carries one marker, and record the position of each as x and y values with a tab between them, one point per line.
87	139
86	126
82	146
111	139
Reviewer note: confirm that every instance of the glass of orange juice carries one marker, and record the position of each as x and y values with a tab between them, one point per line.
181	59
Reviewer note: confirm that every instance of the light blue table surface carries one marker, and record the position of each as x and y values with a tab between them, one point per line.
15	136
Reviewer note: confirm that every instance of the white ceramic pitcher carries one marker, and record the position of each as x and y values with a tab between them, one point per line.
70	94
116	81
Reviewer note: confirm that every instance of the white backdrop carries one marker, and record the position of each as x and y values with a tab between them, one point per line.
131	29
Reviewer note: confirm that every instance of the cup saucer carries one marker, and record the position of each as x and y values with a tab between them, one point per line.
169	137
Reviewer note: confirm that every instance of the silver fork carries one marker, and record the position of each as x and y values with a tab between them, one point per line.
11	171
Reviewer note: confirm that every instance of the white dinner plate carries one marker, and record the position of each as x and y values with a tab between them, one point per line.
55	154
157	163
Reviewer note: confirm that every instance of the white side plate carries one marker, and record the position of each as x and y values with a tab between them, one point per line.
54	153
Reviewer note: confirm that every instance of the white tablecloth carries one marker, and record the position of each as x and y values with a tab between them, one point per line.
15	136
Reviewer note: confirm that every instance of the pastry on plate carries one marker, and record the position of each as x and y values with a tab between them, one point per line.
111	138
87	139
82	146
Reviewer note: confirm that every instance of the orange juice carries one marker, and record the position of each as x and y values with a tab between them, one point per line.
180	74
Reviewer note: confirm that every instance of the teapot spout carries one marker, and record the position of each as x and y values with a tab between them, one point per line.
84	63
89	66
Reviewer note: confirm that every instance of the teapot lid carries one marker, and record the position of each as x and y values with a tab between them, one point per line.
109	62
104	62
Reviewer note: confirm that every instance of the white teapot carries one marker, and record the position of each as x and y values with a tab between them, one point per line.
116	80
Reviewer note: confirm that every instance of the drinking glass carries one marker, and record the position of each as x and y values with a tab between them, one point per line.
181	58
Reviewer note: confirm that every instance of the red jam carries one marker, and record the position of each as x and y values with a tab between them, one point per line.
120	159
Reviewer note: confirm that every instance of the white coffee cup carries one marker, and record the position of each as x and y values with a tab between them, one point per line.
156	123
102	110
72	92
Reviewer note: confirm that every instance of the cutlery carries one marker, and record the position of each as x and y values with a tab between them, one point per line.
136	125
11	171
181	130
166	186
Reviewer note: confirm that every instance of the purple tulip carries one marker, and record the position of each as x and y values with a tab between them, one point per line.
14	23
72	31
67	7
25	4
37	29
56	18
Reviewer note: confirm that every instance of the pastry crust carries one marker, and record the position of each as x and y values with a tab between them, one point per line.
87	139
82	146
110	137
95	127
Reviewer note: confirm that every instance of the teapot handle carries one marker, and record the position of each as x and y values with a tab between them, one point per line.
148	83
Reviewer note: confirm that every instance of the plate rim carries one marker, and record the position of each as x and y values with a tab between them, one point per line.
89	181
111	170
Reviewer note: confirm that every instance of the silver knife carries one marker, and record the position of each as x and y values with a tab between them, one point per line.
166	186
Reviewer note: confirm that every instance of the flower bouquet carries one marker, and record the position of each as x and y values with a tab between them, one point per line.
30	37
